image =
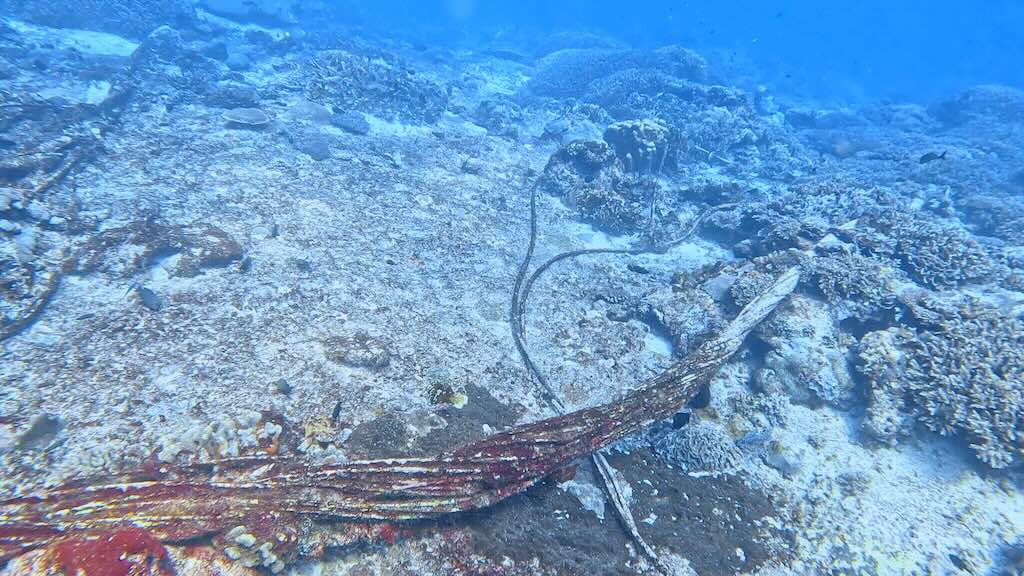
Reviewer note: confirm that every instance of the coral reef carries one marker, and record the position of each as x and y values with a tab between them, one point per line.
366	83
960	372
312	296
133	18
587	175
571	72
934	254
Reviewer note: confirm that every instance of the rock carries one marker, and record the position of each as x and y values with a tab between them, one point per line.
473	166
351	121
215	50
282	386
499	117
164	44
149	299
238	61
557	128
641	145
359	351
232	95
317	146
785	461
309	112
42	431
252	117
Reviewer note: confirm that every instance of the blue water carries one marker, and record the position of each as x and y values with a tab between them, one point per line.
835	51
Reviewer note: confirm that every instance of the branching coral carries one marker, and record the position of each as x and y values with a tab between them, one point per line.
961	372
862	284
934	254
391	90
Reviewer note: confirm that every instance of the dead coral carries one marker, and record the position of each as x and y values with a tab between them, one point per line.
587	175
142	244
379	84
960	372
808	359
359	350
641	145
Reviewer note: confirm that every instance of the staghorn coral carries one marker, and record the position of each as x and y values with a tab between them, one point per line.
960	372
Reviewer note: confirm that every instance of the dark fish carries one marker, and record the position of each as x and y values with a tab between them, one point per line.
931	157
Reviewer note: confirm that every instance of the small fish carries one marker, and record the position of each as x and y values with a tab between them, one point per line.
931	157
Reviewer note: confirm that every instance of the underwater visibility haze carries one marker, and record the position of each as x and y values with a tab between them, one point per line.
344	288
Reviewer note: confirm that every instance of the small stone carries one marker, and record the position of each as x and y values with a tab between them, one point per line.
351	121
281	386
247	540
238	61
150	299
316	146
233	95
251	117
232	553
473	166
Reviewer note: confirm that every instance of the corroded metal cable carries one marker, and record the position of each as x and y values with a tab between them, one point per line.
271	494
